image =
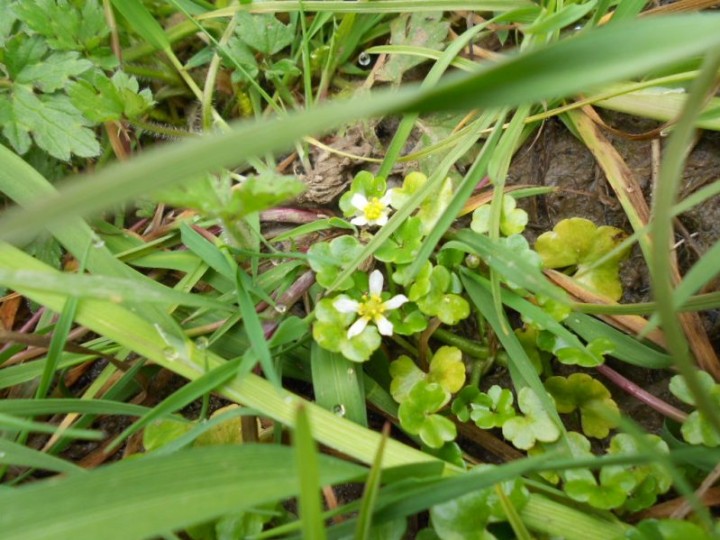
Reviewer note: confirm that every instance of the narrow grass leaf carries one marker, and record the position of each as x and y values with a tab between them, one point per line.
141	21
137	334
506	262
33	407
191	391
309	478
372	486
337	385
208	252
627	349
19	455
114	289
57	344
143	498
13	423
253	327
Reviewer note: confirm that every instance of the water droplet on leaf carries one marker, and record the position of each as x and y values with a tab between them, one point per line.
364	59
280	308
170	354
202	343
339	409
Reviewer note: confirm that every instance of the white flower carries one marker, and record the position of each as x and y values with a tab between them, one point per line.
371	212
372	308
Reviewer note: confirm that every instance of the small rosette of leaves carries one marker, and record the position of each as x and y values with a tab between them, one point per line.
468	516
436	293
598	411
418	414
330	331
697	429
512	219
535	425
576	244
446	369
488	410
421	395
328	259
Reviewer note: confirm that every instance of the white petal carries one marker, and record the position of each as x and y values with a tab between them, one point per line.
346	305
359	201
384	326
385	199
382	220
395	302
357	327
376	283
360	221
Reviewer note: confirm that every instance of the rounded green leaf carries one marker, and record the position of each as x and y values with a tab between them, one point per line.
447	369
405	374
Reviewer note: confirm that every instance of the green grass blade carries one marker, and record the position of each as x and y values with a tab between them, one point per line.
560	69
137	334
372	486
309	476
627	349
377	6
57	344
20	455
141	21
253	328
8	422
119	290
142	498
34	407
337	385
506	262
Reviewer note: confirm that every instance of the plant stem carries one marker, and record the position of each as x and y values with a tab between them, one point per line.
646	397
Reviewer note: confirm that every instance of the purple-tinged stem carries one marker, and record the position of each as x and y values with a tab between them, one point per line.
292	215
646	397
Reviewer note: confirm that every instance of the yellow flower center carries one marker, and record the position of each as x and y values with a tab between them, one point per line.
374	209
371	307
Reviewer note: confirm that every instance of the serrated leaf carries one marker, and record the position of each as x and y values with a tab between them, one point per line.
55	124
419	29
263	33
103	99
53	72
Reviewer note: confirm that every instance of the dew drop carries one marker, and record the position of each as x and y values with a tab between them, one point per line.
202	343
281	308
98	242
339	410
171	354
351	371
288	400
2	455
364	59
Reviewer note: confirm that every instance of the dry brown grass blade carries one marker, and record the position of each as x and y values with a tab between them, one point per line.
628	192
630	324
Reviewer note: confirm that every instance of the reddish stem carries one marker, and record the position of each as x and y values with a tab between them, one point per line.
646	397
